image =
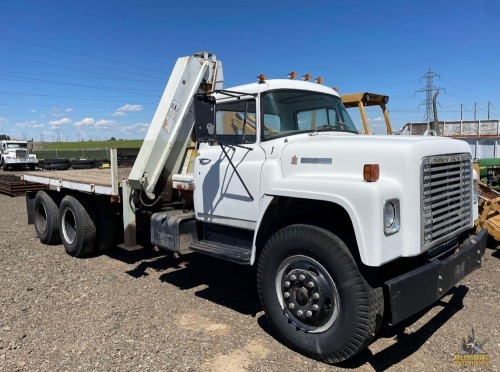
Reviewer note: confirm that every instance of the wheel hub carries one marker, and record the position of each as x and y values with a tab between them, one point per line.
306	296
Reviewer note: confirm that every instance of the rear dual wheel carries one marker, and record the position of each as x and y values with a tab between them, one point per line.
314	295
82	227
46	218
78	231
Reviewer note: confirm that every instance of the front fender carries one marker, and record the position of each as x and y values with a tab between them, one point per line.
363	202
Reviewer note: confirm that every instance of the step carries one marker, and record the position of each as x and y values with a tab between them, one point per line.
240	255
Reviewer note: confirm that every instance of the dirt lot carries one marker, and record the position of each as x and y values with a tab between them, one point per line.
147	311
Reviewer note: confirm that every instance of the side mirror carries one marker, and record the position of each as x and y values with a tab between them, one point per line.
204	115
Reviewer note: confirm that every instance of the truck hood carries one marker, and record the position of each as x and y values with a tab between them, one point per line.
341	156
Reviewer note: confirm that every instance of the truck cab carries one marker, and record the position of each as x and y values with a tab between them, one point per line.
14	154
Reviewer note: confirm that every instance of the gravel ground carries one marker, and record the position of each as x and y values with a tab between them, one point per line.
148	311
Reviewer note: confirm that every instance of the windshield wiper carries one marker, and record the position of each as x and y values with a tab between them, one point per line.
338	125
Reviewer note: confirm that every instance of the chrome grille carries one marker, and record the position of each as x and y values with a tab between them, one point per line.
21	154
446	197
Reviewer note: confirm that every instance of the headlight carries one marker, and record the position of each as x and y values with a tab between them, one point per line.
391	216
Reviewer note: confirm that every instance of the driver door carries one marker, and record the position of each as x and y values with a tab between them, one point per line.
225	194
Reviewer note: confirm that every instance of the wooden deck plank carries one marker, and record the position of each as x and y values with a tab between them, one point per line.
87	180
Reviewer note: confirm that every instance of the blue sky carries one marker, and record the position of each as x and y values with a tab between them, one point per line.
91	69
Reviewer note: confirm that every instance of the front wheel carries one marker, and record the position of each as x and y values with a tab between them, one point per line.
314	295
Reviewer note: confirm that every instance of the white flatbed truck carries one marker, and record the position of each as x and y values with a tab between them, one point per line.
345	229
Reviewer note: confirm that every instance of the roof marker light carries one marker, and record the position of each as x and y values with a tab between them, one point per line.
319	80
292	75
307	77
262	78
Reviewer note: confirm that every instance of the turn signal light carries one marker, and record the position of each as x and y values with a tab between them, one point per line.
371	172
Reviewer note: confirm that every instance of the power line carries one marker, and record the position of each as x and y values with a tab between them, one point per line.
80	54
74	68
71	97
26	79
86	77
80	63
429	89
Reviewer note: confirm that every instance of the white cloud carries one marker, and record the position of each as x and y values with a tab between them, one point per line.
32	111
68	110
137	127
104	123
63	121
122	111
87	122
378	118
3	121
29	124
118	114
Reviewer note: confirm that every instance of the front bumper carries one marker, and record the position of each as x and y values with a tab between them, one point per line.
415	290
14	161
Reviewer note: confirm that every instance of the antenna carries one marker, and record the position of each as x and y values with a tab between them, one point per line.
429	89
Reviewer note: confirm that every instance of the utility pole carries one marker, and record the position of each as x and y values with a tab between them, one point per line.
462	111
429	89
489	104
475	109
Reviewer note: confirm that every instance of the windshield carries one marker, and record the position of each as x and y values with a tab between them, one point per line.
288	112
17	145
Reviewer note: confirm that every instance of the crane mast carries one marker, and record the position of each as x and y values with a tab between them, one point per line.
168	135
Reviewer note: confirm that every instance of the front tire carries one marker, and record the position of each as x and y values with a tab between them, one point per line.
77	228
314	295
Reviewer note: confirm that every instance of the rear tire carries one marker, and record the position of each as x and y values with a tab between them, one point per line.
5	167
77	228
46	219
314	295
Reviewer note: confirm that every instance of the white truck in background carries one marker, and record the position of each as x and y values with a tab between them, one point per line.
14	154
345	229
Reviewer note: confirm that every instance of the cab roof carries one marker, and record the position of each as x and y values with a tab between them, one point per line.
273	84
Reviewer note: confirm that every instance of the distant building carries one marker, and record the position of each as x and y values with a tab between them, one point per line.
483	136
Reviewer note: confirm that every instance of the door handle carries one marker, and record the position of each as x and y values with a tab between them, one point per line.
205	161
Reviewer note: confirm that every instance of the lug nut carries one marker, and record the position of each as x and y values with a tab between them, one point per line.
286	294
309	314
287	284
293	278
291	306
316	296
300	313
310	285
315	307
301	278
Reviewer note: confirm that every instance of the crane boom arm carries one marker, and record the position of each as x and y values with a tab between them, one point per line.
169	133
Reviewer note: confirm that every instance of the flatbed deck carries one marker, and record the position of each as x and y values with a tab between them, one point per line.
96	181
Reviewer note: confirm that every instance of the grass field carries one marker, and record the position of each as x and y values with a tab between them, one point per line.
87	145
88	149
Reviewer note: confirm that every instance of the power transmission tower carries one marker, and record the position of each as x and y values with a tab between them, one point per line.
429	89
